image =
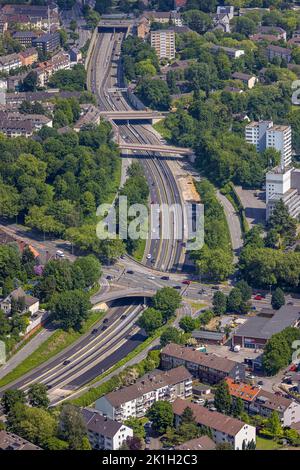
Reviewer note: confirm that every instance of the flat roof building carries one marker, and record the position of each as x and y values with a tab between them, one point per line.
256	331
163	41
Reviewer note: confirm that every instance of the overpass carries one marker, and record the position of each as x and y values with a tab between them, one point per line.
127	116
154	148
114	26
121	294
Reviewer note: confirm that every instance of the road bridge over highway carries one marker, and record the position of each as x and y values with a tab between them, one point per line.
153	148
114	26
128	116
122	294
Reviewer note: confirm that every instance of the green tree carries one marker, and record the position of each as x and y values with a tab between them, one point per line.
245	289
154	93
150	320
273	425
234	300
162	416
188	324
10	398
37	395
170	335
237	407
137	425
222	398
34	424
166	300
70	309
219	303
278	299
90	268
72	426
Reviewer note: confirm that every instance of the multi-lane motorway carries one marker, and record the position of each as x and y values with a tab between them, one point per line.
95	352
105	73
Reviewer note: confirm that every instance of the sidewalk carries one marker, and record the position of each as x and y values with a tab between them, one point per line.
26	350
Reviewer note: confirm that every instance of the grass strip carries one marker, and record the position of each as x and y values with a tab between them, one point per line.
55	344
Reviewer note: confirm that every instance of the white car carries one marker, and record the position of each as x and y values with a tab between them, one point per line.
151	277
60	254
149	256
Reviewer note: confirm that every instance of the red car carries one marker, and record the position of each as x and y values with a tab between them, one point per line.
186	282
258	297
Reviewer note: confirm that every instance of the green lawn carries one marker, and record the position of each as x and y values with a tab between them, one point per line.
162	130
52	346
266	444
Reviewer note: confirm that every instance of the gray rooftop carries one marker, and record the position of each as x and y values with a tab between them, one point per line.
265	326
204	334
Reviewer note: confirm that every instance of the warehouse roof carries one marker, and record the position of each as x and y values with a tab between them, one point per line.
264	327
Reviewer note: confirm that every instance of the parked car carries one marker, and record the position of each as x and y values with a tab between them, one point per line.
215	288
177	287
105	320
94	331
258	297
165	278
187	282
129	271
123	316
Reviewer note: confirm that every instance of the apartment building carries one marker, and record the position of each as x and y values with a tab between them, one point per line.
262	402
32	16
135	400
28	57
231	52
47	42
279	52
248	80
224	429
208	368
25	38
265	134
164	17
11	441
163	41
10	62
104	433
16	128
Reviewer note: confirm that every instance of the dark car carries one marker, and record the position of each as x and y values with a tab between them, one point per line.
177	287
215	287
130	271
94	331
109	278
105	320
165	278
186	282
66	362
123	317
260	382
48	387
104	328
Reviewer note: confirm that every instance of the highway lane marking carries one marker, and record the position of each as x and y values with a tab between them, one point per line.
53	371
82	349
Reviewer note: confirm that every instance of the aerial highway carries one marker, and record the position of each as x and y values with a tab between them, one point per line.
95	352
105	72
